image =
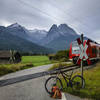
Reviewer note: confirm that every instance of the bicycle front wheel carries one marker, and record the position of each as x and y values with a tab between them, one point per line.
50	82
78	82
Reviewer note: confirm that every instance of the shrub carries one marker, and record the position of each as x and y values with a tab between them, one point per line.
5	69
60	55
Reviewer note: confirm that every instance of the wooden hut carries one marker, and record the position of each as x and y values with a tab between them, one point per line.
9	57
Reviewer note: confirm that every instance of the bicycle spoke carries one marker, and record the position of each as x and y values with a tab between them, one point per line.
77	82
52	81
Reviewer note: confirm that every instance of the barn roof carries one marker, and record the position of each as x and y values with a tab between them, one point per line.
5	54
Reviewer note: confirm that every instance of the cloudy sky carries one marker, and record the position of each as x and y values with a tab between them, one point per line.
82	15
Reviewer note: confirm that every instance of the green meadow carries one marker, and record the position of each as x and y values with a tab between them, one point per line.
36	60
27	62
92	84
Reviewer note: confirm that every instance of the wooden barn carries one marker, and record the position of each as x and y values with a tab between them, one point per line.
9	57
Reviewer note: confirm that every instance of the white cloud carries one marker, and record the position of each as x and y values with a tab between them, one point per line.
82	15
95	36
4	23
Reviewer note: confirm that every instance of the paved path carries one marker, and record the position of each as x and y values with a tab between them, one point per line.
29	90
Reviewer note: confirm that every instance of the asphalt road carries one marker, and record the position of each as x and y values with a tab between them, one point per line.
29	90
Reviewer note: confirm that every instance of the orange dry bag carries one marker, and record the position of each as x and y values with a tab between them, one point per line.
56	93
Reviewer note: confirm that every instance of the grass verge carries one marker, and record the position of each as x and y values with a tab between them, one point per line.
27	62
92	84
9	68
60	64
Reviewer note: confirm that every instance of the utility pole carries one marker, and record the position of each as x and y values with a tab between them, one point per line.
82	58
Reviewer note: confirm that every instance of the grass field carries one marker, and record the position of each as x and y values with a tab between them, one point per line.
27	62
36	60
92	87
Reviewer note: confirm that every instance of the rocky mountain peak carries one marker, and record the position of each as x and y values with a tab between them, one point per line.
65	30
15	25
63	26
53	28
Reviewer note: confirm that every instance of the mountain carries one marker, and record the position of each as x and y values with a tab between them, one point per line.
18	30
37	34
51	35
9	41
65	30
59	37
32	35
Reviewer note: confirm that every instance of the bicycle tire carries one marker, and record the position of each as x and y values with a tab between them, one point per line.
75	81
48	81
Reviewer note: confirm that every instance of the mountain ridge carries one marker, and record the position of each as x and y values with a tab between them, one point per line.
57	37
9	41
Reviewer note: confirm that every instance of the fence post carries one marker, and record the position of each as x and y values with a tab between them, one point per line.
82	59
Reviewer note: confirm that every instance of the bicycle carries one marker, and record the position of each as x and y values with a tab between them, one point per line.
75	82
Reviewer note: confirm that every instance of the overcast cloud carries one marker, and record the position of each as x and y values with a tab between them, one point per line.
82	15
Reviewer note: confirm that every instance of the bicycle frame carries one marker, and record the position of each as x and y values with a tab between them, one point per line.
65	76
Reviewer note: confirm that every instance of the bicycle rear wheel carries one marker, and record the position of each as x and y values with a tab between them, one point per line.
78	82
50	82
